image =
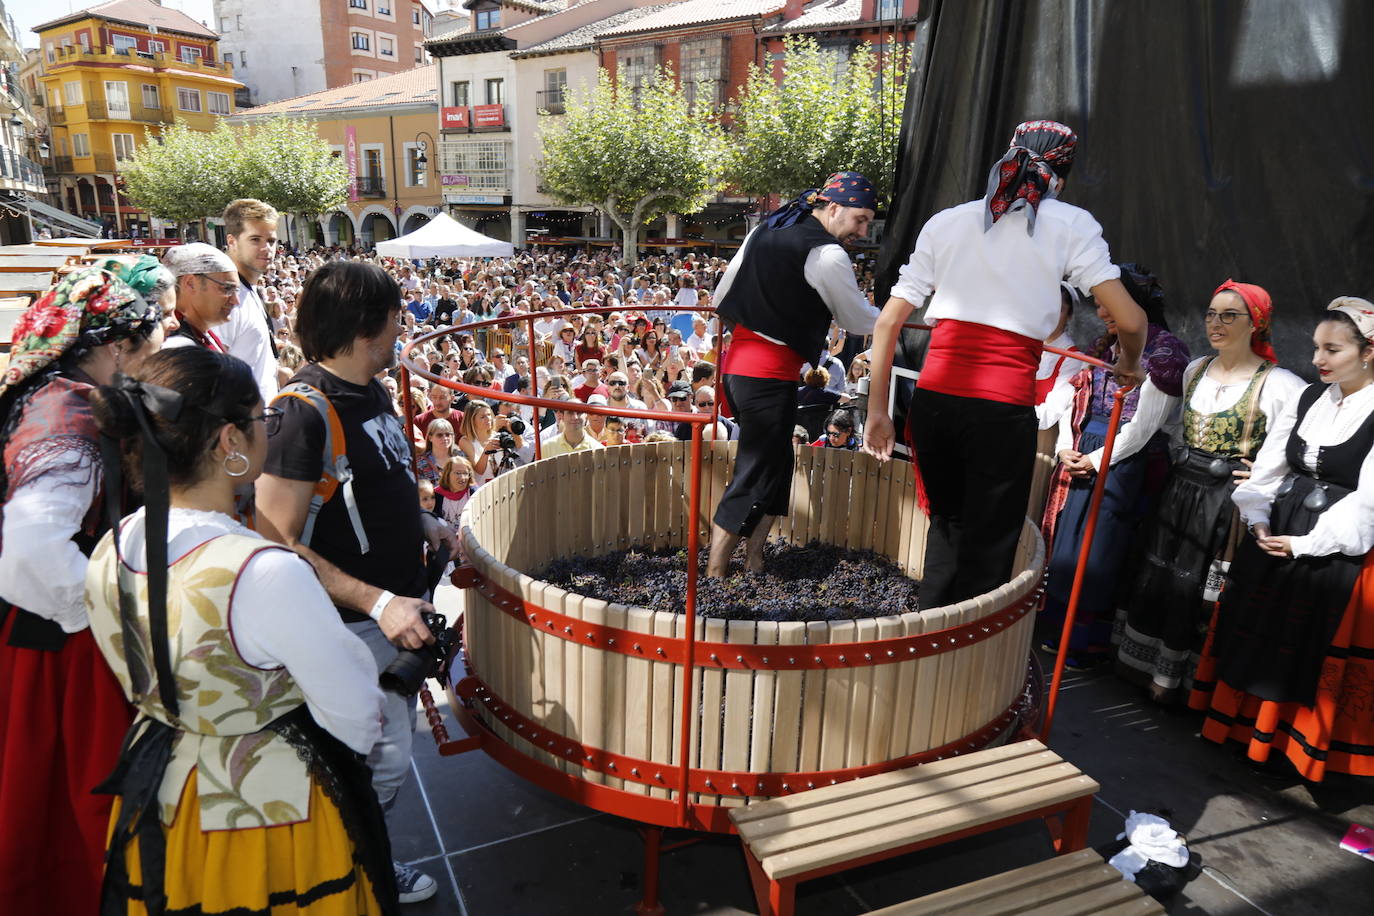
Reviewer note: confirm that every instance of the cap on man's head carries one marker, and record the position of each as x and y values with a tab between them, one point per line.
197	258
598	399
680	390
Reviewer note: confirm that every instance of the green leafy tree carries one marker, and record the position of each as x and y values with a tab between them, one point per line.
287	163
187	176
193	174
825	115
634	152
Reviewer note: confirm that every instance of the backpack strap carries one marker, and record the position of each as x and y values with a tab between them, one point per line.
336	471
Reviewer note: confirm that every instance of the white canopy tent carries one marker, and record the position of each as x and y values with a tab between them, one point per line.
445	237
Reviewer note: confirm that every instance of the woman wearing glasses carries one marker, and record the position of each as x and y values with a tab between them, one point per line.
242	782
1291	662
1231	399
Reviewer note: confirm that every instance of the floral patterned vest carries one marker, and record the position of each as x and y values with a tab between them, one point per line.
248	775
1236	432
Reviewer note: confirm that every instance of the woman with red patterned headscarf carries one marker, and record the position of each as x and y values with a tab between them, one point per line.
62	713
1230	400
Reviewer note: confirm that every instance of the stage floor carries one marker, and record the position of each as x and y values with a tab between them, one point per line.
500	847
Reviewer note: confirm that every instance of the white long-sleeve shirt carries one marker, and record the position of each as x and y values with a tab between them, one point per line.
281	617
1346	527
1153	411
1060	398
247	335
830	273
1209	397
1004	278
41	568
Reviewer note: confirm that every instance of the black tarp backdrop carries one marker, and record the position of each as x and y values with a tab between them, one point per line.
1217	139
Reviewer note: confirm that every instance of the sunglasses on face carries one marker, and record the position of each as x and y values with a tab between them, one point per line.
1224	317
834	433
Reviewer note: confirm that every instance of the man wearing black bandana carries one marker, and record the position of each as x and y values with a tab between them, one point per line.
779	294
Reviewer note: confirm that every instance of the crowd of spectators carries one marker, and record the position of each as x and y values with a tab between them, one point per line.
638	347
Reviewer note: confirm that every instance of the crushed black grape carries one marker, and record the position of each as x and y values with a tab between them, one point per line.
815	582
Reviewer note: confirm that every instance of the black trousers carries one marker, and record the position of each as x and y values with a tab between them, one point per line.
766	410
976	460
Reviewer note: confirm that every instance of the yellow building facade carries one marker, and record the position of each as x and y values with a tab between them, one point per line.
112	76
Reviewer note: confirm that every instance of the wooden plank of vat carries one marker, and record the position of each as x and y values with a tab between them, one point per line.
697	712
664	721
607	480
949	705
637	496
838	685
926	698
664	499
859	535
574	721
803	501
712	701
582	529
679	494
670	773
615	693
860	698
515	641
881	708
568	500
546	674
816	516
593	688
739	687
785	754
836	503
813	701
884	506
765	688
541	540
900	508
639	697
907	713
968	692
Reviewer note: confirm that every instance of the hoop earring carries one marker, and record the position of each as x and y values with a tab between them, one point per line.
236	456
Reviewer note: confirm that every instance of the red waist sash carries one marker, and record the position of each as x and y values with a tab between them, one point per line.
759	357
972	360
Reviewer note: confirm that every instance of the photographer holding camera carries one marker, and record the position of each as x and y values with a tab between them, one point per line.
365	537
488	441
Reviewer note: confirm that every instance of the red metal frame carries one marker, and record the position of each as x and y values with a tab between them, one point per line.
862	654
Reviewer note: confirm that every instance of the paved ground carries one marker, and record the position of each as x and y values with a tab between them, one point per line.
497	845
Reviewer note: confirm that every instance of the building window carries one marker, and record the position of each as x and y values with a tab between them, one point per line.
360	42
52	53
361	77
386	47
383	7
496	91
889	9
703	70
123	147
238	23
358	4
117	99
85	41
243	59
555	83
71	93
121	42
415	173
485	163
81	145
460	94
190	55
638	66
151	97
419	54
156	47
223	24
415	15
219	102
188	99
482	20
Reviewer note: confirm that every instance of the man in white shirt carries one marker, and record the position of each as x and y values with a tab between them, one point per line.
251	229
992	268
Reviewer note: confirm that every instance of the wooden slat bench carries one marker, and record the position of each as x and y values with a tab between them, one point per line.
820	832
1077	884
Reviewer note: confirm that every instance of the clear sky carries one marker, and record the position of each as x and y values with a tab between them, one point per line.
29	13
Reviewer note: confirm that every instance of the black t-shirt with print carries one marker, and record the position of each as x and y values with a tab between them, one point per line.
383	482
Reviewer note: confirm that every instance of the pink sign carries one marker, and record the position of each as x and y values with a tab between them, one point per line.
351	157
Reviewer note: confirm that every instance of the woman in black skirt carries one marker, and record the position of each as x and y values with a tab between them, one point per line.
1307	505
1230	400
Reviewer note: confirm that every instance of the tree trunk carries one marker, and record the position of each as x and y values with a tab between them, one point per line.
629	255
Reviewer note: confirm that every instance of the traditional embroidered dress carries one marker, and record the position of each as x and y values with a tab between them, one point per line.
62	716
1187	547
1288	666
1138	449
239	802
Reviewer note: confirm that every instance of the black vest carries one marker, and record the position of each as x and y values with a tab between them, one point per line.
769	293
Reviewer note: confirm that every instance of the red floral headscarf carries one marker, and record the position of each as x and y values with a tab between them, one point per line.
1261	309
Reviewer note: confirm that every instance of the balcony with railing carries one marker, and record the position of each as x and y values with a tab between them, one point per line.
161	60
104	162
371	186
20	173
58	116
549	101
63	164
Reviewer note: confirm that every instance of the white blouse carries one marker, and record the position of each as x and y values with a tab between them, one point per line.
41	568
1153	411
282	617
1211	397
1348	526
1060	398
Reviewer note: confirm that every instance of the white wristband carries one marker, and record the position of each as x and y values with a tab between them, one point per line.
382	601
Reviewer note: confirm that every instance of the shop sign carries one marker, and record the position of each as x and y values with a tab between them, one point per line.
454	118
489	116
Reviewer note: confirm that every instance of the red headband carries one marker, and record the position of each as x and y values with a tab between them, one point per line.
1261	308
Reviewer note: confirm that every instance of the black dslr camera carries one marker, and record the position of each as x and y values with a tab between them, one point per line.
410	667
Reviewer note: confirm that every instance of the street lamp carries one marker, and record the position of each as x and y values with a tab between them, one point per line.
422	160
